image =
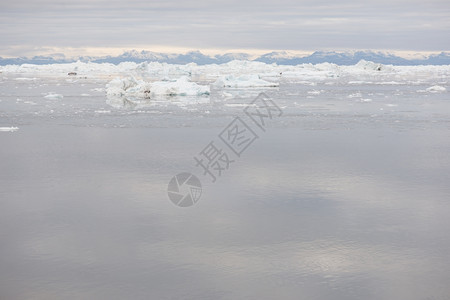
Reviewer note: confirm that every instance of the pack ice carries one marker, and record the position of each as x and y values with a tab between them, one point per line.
129	80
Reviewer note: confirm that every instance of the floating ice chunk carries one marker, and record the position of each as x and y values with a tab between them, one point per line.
315	92
53	96
243	81
128	87
368	65
227	95
25	79
236	104
359	82
132	88
355	95
436	89
389	83
8	129
180	87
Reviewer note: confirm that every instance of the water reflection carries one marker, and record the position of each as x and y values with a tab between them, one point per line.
159	101
307	213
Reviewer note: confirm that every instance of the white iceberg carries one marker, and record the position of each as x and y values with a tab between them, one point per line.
368	65
436	89
243	81
53	96
179	87
130	87
8	129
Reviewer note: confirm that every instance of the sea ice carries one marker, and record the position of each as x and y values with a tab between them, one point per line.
53	96
436	89
243	81
315	92
181	87
371	66
8	129
130	87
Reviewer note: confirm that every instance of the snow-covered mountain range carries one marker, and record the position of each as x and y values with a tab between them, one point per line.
280	58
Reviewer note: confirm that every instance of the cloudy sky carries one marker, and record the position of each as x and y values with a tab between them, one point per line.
38	26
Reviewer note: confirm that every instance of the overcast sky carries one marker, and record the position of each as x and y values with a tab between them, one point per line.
31	26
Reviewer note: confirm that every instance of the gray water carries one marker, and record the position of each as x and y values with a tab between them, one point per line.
340	198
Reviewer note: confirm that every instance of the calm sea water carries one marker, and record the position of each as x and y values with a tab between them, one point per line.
340	198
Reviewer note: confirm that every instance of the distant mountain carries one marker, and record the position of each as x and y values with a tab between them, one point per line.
279	57
341	58
227	57
37	60
442	58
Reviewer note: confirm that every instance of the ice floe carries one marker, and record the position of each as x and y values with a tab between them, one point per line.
53	96
181	87
8	129
436	89
243	81
131	87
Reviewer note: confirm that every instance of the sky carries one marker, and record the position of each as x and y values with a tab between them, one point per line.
33	27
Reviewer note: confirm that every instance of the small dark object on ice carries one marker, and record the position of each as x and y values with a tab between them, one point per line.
72	73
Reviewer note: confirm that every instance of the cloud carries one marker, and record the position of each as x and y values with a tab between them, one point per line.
407	25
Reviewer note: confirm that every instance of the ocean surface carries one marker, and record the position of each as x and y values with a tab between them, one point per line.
346	195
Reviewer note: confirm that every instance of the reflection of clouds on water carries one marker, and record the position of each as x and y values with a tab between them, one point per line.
294	216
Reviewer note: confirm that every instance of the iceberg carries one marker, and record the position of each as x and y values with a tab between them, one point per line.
243	81
368	65
53	96
179	87
134	77
130	87
436	89
8	129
